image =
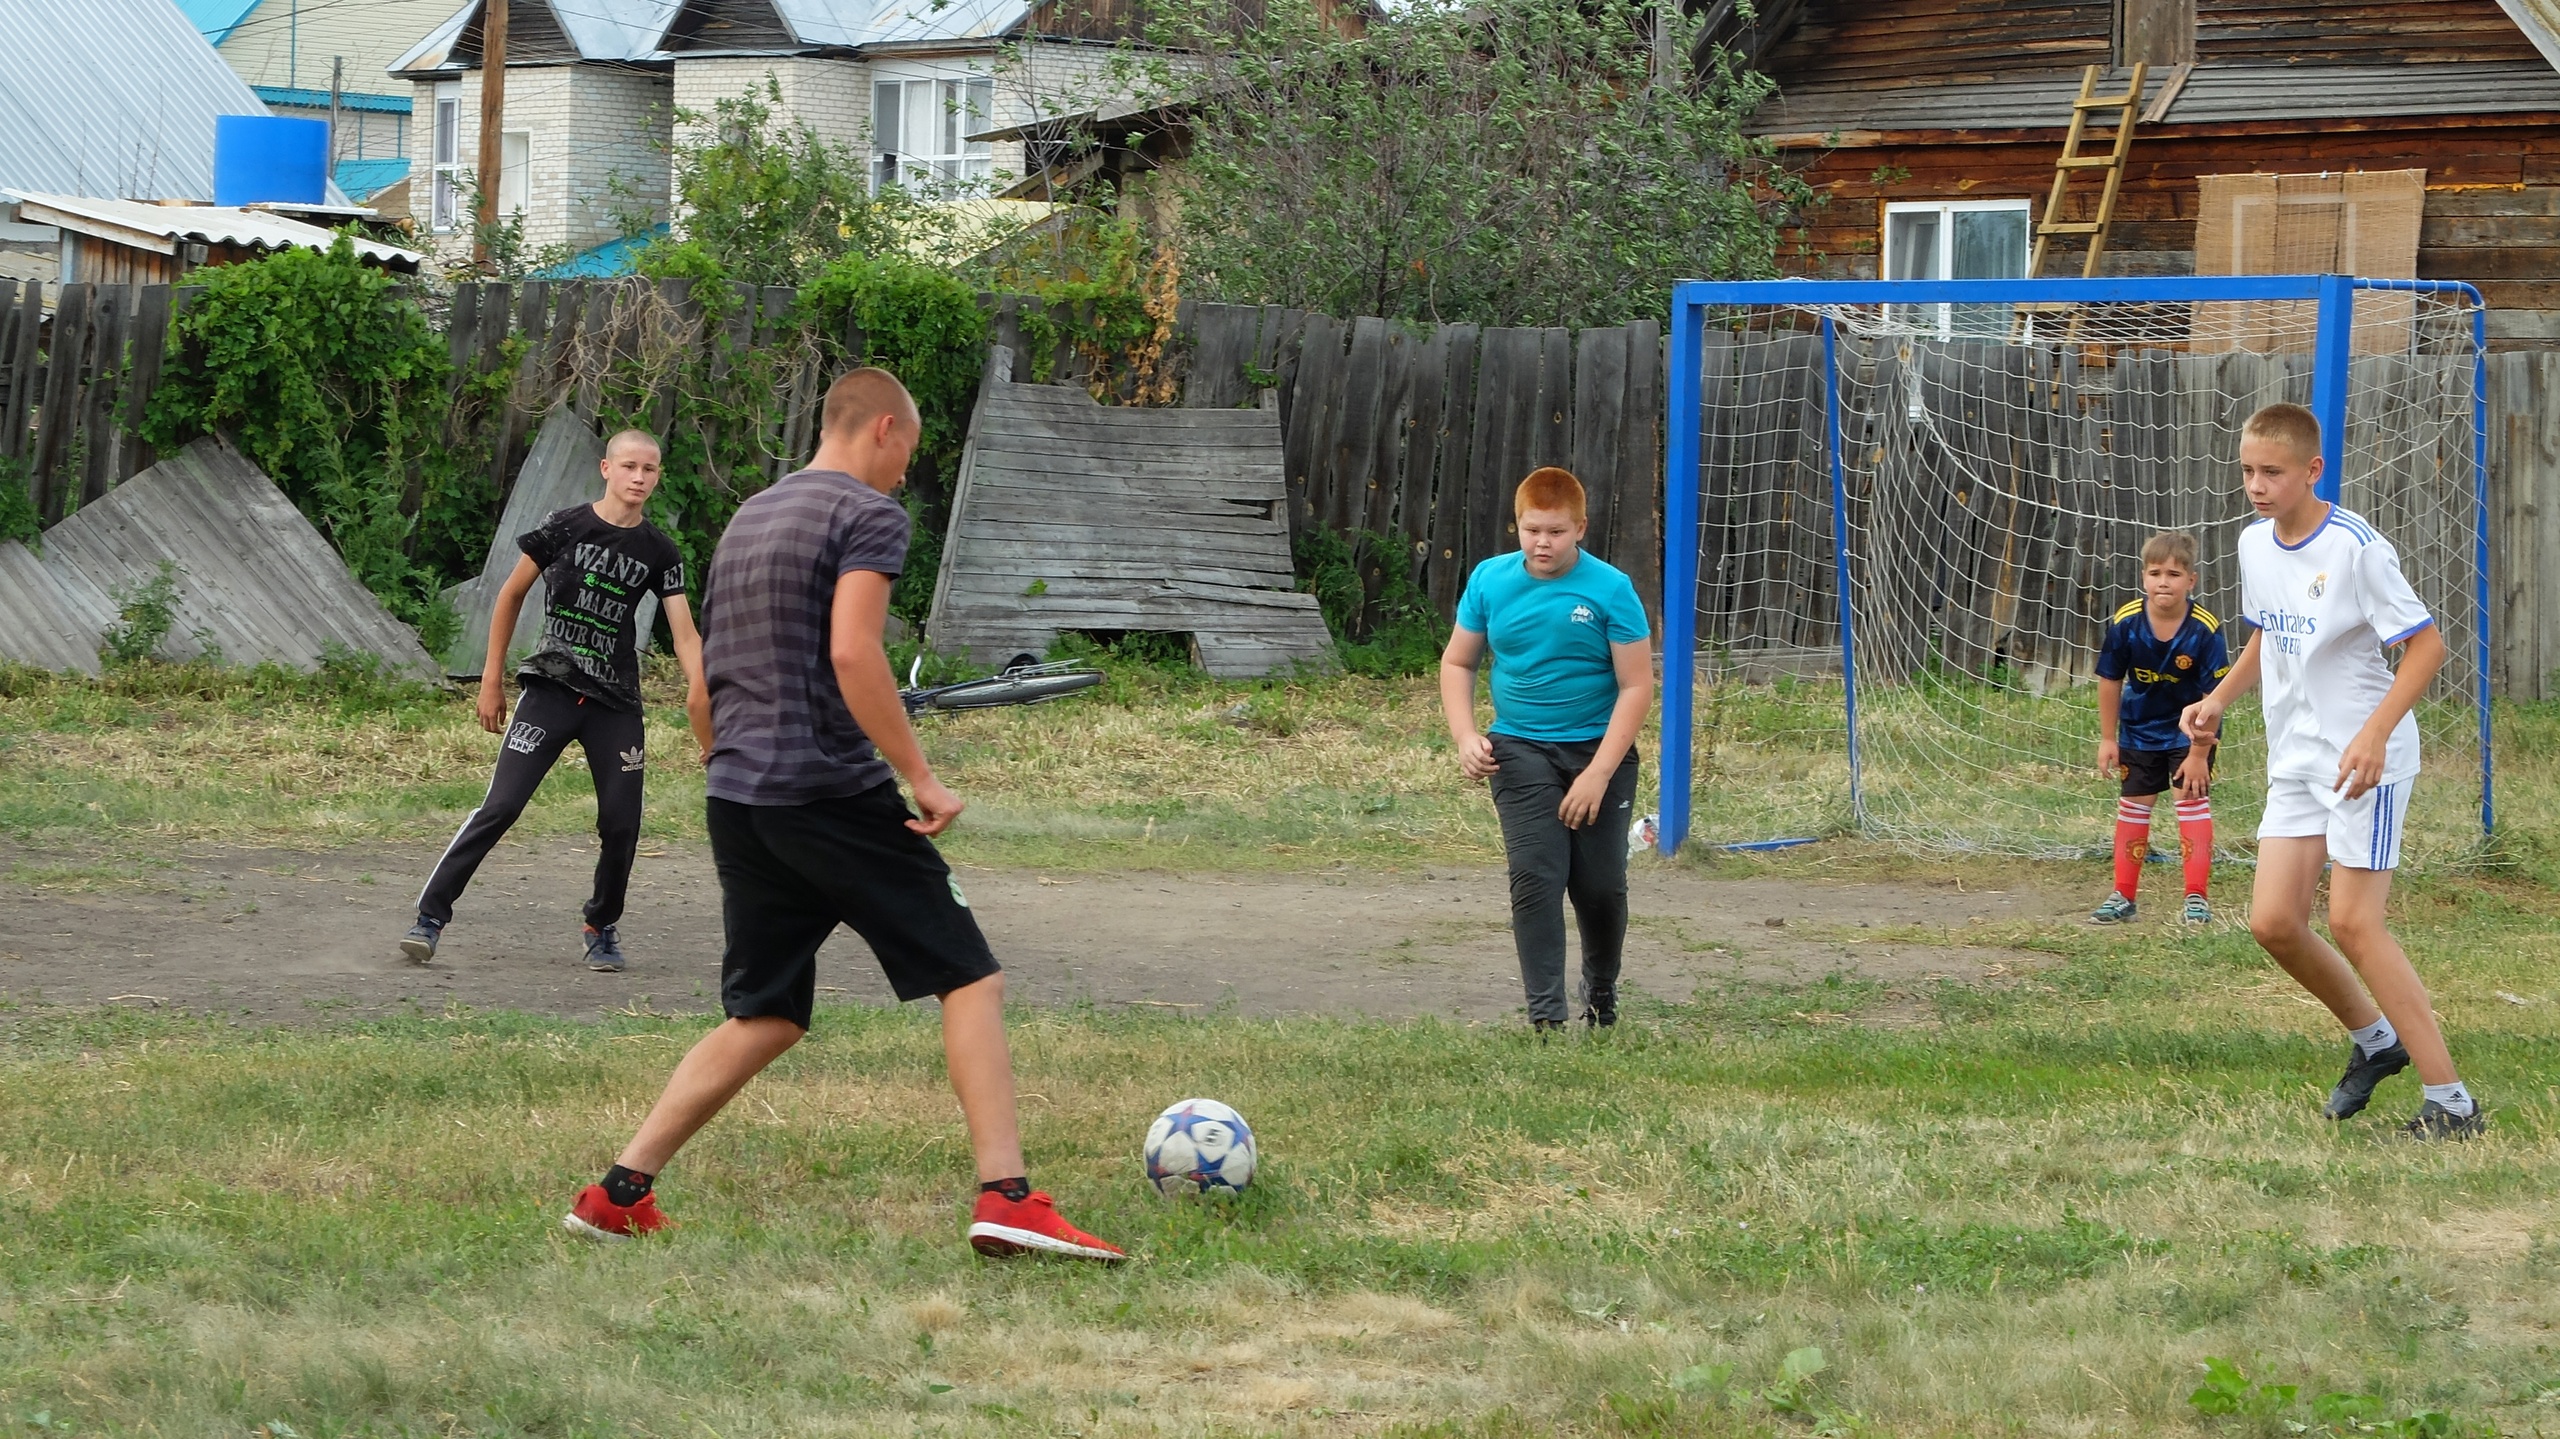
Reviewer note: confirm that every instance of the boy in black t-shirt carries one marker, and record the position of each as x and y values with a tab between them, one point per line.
581	683
2161	653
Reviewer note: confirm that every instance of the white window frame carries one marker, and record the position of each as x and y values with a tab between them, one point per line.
515	173
444	159
1946	211
951	103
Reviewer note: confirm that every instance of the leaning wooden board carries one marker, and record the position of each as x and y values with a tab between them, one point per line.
1071	515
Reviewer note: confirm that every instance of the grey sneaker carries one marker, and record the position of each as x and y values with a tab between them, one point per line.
2434	1121
2364	1072
2116	910
604	952
419	944
2197	911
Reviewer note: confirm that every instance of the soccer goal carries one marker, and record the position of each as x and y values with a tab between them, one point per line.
1899	513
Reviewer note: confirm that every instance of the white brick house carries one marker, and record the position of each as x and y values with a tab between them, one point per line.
594	88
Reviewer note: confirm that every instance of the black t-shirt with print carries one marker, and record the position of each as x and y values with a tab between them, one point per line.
593	575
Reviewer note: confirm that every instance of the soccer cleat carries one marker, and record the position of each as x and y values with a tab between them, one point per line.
419	944
2434	1121
604	952
596	1216
2364	1071
2116	909
1002	1228
2197	911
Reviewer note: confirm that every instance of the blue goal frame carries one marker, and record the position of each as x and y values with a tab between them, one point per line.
2333	351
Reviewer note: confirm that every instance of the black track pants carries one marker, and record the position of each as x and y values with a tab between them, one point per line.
547	717
1550	863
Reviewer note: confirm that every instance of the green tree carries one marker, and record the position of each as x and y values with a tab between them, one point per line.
1514	164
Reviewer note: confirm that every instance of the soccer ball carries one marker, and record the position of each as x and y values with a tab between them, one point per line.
1199	1147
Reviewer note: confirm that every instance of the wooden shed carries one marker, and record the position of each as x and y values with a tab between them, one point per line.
134	242
1917	107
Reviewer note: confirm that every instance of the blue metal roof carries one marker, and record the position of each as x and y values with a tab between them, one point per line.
216	19
112	98
613	257
362	179
306	98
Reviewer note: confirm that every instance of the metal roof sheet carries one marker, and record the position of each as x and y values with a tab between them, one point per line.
112	97
2540	22
435	47
216	19
896	22
164	227
2214	95
600	29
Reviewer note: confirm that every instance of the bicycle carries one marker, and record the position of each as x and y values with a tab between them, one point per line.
1024	682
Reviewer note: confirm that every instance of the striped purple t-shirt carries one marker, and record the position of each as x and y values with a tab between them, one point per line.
781	734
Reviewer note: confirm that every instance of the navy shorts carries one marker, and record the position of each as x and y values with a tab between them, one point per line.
789	874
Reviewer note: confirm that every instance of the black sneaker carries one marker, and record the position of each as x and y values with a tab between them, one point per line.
2364	1071
419	944
604	953
2434	1121
1546	1027
1600	1013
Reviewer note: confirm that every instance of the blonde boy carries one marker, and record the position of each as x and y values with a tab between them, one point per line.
2161	653
2324	591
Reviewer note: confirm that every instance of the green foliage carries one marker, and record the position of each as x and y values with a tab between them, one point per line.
770	203
1089	274
1383	624
328	378
2229	1393
18	517
145	613
1515	164
924	326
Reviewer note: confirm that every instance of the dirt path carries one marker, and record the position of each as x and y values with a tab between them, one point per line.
278	935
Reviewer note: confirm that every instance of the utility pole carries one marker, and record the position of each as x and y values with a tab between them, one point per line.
337	98
493	118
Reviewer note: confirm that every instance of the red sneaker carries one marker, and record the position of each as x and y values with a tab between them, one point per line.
596	1216
1002	1228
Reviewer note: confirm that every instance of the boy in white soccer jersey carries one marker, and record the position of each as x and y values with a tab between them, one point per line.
2325	594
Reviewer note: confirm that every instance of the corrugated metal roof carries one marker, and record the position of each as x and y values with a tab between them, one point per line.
112	97
899	22
164	227
2540	22
216	19
600	29
2214	95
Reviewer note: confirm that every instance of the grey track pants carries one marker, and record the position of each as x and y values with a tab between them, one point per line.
1550	863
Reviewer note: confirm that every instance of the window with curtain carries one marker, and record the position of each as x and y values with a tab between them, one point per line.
920	130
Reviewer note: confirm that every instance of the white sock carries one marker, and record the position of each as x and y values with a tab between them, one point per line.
2456	1100
2375	1037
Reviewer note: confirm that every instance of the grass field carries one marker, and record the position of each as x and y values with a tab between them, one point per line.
2034	1208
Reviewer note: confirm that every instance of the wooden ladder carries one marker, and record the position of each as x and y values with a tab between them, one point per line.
2110	160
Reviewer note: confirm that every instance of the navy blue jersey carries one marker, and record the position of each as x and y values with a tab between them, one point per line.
2161	677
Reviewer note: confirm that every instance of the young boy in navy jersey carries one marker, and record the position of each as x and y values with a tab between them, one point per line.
2161	653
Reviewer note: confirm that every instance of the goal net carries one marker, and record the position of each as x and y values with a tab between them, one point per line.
1900	516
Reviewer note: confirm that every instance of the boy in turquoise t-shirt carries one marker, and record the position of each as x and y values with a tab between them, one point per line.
1572	679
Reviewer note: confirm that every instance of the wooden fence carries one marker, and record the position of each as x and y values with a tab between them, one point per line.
1420	433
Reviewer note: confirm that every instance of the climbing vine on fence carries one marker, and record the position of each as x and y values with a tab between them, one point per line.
330	380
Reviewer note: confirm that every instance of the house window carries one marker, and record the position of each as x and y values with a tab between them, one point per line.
1957	240
445	210
920	130
515	173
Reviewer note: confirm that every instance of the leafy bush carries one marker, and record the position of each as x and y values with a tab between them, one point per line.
18	517
329	379
145	613
1396	631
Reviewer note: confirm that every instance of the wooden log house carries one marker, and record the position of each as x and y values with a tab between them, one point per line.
1963	103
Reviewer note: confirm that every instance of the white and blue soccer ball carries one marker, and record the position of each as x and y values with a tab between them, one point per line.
1199	1147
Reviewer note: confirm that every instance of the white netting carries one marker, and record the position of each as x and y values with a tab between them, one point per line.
2003	466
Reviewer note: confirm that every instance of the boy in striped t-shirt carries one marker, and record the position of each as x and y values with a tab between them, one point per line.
2324	593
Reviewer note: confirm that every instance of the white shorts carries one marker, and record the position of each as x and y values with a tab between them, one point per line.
2363	833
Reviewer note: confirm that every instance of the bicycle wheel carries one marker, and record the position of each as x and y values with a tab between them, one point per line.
1009	690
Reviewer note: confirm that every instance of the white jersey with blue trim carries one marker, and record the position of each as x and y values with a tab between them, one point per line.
2327	609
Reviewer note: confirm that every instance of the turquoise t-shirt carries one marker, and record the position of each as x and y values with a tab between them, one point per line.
1552	677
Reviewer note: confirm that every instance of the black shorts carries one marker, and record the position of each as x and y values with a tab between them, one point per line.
2150	771
789	874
